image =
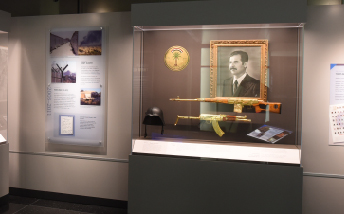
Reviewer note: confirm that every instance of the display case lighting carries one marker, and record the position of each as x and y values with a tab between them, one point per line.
209	27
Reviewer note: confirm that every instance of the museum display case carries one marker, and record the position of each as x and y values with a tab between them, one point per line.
3	85
4	146
186	101
217	107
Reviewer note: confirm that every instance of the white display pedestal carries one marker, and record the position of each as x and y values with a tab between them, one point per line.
272	153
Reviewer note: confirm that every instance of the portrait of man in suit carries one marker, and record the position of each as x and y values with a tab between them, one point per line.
240	83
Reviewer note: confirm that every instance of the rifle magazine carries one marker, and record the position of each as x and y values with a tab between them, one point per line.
217	128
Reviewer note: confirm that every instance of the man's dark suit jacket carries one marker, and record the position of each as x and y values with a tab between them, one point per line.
249	87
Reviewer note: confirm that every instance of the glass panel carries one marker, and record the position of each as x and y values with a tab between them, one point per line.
3	83
270	78
76	90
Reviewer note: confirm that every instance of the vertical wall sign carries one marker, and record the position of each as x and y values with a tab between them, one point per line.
336	109
76	86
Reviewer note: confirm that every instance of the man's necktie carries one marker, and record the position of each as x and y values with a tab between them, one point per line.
235	86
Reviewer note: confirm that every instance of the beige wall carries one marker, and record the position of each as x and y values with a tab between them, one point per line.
103	176
324	44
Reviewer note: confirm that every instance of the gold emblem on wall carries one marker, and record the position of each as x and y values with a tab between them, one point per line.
176	58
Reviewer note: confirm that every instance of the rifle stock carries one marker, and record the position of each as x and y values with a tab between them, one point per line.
272	107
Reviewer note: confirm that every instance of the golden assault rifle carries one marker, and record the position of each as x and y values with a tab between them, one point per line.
213	119
259	105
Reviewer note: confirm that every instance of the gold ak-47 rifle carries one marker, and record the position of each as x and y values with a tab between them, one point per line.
239	103
213	119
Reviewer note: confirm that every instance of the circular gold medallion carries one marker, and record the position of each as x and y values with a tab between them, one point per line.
176	58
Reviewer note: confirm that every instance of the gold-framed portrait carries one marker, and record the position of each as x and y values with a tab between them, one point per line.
238	68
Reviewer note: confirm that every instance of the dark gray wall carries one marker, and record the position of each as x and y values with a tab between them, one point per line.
5	21
50	7
192	186
4	178
219	12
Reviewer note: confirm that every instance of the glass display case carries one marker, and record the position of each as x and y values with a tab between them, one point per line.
3	85
219	91
4	146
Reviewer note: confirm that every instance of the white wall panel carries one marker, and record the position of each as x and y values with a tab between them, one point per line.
92	178
105	179
324	44
322	195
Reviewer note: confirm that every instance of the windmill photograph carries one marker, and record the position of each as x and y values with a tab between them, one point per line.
63	72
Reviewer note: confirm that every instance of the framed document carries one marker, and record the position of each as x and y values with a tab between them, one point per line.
66	125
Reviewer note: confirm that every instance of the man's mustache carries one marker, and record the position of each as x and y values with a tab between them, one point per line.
232	68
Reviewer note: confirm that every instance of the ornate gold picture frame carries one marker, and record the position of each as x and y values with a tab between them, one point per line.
238	68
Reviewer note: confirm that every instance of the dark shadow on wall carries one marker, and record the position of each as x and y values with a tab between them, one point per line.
54	7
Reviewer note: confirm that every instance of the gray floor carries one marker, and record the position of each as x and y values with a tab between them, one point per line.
22	205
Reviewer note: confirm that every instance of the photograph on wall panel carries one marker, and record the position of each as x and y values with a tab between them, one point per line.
75	43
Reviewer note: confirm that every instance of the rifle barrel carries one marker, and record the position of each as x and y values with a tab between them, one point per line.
178	99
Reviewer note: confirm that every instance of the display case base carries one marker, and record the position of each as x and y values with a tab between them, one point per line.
3	201
172	185
4	169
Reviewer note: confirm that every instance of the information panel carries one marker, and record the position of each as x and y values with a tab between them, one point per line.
336	109
76	86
